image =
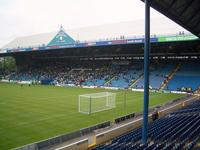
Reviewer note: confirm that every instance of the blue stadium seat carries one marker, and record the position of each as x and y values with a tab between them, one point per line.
175	131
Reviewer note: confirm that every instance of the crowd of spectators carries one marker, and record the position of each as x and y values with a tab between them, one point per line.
88	73
62	73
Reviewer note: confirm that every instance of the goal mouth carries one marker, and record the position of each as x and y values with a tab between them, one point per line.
96	102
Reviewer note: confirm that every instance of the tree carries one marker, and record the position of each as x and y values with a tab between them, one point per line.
8	64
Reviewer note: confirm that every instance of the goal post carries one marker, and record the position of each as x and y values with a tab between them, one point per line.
95	102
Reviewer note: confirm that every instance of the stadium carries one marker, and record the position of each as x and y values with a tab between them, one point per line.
80	89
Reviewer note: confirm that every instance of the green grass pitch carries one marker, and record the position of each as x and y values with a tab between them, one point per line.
30	114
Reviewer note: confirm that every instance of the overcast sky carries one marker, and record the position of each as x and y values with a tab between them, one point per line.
26	17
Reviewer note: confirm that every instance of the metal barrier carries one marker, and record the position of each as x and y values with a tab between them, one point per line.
124	118
63	138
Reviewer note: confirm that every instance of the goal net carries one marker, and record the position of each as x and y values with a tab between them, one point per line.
95	102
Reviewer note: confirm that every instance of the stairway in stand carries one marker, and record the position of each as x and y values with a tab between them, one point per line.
135	81
164	84
109	81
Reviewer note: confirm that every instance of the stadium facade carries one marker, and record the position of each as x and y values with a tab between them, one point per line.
171	55
59	49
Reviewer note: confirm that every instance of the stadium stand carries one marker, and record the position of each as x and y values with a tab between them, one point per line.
98	76
178	130
159	72
113	75
126	75
186	78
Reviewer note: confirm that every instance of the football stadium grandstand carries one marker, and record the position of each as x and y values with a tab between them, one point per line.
76	59
183	123
174	76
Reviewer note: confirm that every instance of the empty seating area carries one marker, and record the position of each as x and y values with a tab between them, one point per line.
179	130
126	75
158	73
186	78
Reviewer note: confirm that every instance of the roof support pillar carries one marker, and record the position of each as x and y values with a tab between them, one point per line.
146	72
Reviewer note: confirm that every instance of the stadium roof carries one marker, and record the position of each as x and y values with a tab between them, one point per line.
160	26
33	40
184	12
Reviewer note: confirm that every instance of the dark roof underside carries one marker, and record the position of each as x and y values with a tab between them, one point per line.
184	12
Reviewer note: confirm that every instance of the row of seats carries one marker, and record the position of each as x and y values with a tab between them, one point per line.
158	74
126	76
177	131
188	76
